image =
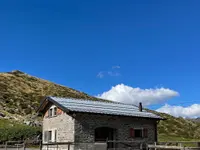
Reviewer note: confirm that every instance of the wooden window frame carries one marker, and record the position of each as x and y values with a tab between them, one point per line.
141	130
55	111
50	137
52	112
144	132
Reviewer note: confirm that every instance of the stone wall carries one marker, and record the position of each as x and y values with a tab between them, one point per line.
81	128
63	123
85	125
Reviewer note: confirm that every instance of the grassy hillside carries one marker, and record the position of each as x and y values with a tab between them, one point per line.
177	128
20	95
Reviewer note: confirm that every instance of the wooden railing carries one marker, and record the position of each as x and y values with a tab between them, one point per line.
114	145
127	145
22	145
178	145
13	144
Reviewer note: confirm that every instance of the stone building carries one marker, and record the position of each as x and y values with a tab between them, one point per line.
86	123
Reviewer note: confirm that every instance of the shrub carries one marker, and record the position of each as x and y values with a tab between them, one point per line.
15	131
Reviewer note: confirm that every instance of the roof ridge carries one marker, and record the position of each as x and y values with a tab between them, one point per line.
109	101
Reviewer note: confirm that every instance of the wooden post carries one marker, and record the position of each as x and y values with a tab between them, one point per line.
107	143
68	146
40	145
57	146
198	144
141	146
155	145
86	146
180	144
147	146
24	145
6	145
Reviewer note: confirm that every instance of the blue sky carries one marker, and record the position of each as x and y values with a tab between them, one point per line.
155	44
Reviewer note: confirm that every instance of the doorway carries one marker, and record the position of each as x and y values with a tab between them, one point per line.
103	134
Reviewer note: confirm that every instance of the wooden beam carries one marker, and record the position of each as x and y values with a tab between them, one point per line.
164	147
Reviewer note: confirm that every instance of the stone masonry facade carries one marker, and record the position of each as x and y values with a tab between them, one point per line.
85	125
80	128
63	123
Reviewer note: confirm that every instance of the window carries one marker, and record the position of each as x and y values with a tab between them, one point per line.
55	111
138	133
50	112
49	136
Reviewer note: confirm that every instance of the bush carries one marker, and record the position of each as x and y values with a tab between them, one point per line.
18	132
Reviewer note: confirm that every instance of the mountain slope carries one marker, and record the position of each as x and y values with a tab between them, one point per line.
177	128
21	93
20	96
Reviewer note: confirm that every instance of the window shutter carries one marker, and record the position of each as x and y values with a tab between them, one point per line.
45	136
132	133
55	135
145	133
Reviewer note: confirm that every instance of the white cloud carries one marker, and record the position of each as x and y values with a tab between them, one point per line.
100	75
192	111
115	67
127	94
114	72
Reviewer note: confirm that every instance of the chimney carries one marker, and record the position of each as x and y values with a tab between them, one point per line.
140	107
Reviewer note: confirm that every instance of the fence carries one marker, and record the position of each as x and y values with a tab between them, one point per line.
21	145
176	145
68	146
126	145
109	145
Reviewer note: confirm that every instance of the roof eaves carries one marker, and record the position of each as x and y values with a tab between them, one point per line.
41	104
47	98
145	117
58	104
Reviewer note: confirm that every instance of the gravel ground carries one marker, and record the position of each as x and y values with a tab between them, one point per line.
19	149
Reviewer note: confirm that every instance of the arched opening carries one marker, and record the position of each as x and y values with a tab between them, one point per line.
103	134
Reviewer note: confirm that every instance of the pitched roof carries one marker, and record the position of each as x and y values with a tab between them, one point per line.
98	107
